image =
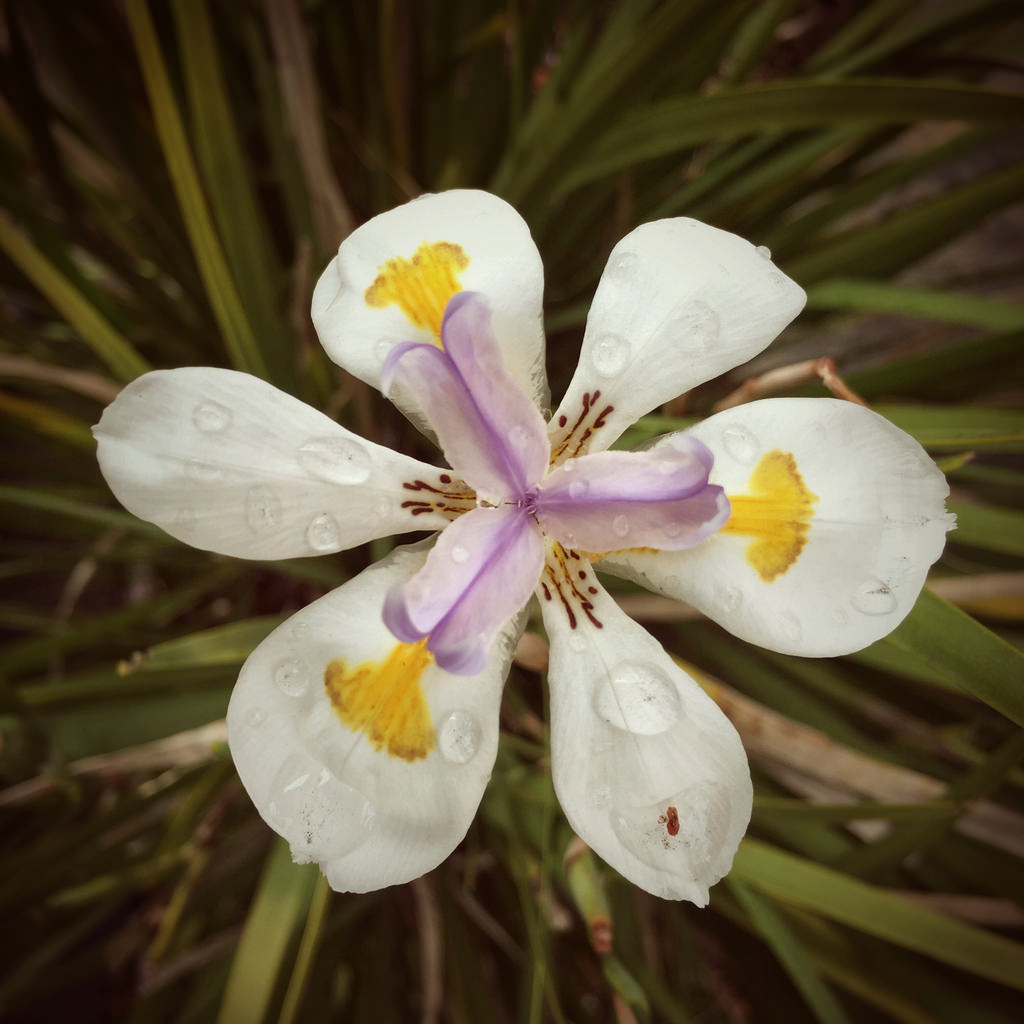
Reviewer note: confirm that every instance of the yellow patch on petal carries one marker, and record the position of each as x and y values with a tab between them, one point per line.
385	701
420	286
776	513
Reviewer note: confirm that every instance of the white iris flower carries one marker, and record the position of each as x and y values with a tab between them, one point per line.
365	727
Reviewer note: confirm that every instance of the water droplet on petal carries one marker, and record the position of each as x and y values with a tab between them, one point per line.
211	417
578	489
685	841
873	597
790	625
322	533
620	526
670	582
320	816
602	796
263	510
337	460
383	349
673	529
291	677
731	598
577	643
640	698
623	267
518	435
254	717
460	554
610	355
764	252
300	631
697	326
741	444
203	472
839	616
459	737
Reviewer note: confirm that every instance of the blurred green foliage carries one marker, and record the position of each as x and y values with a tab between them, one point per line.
176	175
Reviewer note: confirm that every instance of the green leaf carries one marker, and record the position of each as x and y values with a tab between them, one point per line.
220	288
957	428
112	347
830	894
904	300
939	643
676	124
276	916
772	927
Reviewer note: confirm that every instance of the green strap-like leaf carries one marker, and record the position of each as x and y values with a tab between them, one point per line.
838	897
112	347
676	124
262	960
220	288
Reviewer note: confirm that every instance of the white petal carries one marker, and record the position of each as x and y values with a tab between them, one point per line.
227	463
878	523
370	818
649	771
678	304
503	264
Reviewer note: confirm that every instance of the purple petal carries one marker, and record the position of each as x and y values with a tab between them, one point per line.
481	571
614	500
492	434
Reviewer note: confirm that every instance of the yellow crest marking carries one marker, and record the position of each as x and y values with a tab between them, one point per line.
776	513
420	286
385	701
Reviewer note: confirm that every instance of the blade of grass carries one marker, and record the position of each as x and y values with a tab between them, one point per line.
679	123
235	329
110	346
772	927
281	904
830	894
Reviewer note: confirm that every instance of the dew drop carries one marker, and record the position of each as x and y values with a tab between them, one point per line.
322	533
673	529
623	267
460	554
697	326
300	631
203	472
671	583
291	677
764	252
610	355
791	628
211	417
873	597
459	737
839	616
263	511
383	349
577	643
578	489
740	443
518	435
602	796
337	460
320	816
640	698
620	526
731	598
255	717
